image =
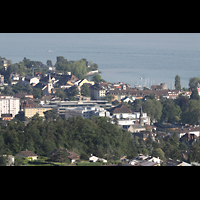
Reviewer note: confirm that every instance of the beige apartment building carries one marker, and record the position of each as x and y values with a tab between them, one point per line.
30	112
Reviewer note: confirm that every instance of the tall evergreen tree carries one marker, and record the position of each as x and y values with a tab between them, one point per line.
177	83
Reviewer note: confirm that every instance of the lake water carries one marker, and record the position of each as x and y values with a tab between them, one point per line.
126	57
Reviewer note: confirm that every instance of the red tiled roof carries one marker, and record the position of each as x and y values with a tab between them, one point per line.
73	155
120	109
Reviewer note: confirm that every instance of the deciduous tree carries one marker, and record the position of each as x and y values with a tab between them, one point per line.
191	114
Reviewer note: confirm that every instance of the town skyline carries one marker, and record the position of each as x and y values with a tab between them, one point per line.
62	93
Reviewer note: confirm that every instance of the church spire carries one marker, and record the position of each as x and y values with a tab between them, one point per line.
141	117
50	81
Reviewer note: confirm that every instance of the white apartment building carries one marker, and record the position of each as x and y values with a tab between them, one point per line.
9	105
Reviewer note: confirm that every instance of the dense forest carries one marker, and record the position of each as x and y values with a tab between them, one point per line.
96	136
87	136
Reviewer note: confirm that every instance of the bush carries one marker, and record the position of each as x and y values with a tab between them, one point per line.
84	156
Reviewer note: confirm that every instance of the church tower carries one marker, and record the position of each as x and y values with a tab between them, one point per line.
141	117
49	85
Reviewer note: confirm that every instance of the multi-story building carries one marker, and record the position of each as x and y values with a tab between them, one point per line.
30	112
98	91
86	112
9	105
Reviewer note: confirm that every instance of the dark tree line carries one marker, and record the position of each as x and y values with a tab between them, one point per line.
95	136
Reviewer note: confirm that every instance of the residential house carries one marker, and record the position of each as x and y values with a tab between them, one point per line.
31	80
67	85
62	79
127	99
150	127
182	131
142	160
189	139
27	154
186	164
157	93
171	162
14	78
173	94
93	159
46	99
148	164
118	94
27	103
120	111
96	159
72	78
84	80
136	128
73	156
187	93
23	95
143	134
81	82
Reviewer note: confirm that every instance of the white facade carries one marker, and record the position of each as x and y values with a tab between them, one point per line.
127	99
125	122
34	80
95	159
98	92
85	112
9	105
145	160
134	115
157	160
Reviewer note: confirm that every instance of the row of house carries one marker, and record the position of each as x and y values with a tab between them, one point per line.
100	90
142	160
30	155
